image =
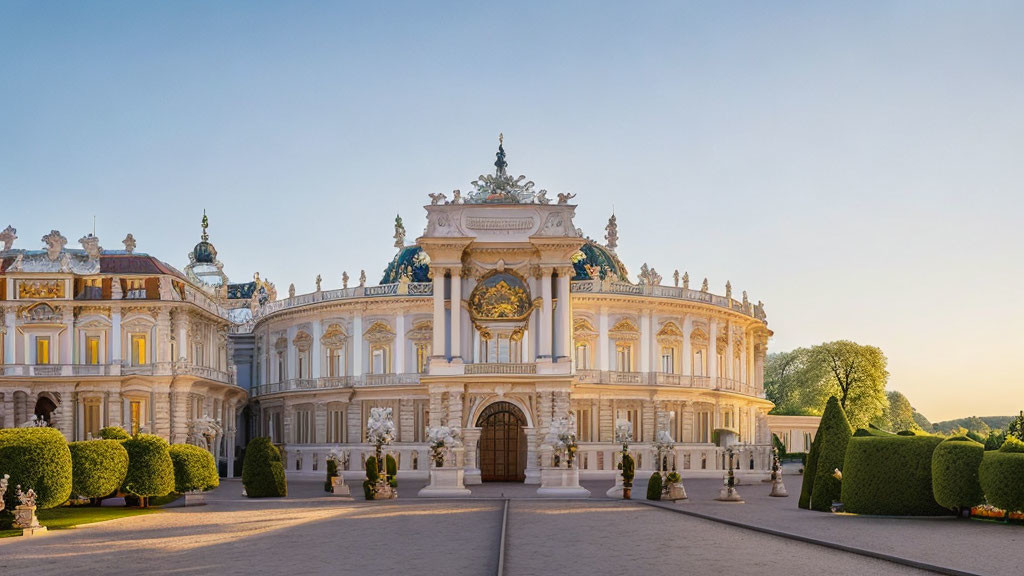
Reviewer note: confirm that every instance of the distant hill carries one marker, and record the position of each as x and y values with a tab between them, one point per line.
980	424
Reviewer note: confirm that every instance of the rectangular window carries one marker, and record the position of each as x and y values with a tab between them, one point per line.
92	418
280	367
92	350
303	427
335	426
668	360
422	357
135	413
379	361
302	366
699	367
703	432
583	428
624	357
42	349
582	357
334	362
138	350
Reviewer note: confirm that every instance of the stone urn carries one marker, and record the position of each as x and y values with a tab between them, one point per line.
25	519
561	482
778	488
446	482
676	491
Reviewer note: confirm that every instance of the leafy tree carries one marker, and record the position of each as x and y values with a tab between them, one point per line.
856	374
899	414
1016	426
922	422
795	383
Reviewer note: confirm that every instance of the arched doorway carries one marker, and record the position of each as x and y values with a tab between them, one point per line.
44	408
502	443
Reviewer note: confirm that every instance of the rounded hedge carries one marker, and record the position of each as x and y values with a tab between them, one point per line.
1013	445
36	458
654	487
98	467
835	433
150	470
194	468
1002	479
955	464
114	433
262	470
890	475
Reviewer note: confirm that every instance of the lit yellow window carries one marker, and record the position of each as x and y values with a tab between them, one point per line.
92	350
42	349
92	418
136	412
138	350
422	357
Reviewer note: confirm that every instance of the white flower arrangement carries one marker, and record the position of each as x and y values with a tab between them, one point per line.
380	427
623	432
442	439
563	431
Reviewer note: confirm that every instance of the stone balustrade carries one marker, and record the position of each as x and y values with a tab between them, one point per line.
413	459
154	369
601	459
384	290
605	287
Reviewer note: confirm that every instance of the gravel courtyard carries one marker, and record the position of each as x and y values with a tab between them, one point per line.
308	533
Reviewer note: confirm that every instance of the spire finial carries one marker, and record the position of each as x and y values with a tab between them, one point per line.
206	224
500	163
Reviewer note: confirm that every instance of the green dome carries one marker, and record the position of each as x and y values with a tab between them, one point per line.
411	260
204	253
596	255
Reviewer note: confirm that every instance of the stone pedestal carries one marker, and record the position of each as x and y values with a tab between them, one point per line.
728	494
676	492
339	488
561	482
446	482
25	519
778	488
616	491
385	491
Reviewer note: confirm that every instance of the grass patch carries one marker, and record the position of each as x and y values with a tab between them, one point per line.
70	516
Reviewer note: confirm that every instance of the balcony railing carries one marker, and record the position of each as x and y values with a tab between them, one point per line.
675	292
153	369
665	379
500	368
384	290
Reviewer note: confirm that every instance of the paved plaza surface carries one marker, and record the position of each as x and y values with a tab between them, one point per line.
310	533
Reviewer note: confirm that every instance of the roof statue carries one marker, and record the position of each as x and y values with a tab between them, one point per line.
91	245
728	290
8	236
686	280
612	233
499	188
675	278
129	243
344	279
55	243
399	232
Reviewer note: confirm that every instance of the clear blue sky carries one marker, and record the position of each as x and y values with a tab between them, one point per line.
855	165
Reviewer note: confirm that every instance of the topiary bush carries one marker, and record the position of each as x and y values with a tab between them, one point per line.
372	475
36	458
332	472
194	468
628	467
389	461
654	487
98	467
955	464
890	476
114	433
808	480
150	470
871	431
1002	479
1012	445
262	470
834	433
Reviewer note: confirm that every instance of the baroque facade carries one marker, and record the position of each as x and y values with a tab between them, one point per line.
498	321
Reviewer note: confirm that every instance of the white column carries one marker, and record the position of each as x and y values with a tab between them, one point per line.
533	331
67	348
564	330
293	355
456	313
11	337
357	344
655	349
645	341
713	357
180	338
687	359
544	350
438	344
730	359
316	353
602	340
399	365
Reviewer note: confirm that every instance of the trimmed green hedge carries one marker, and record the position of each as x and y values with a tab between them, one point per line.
372	475
955	464
114	433
36	458
872	431
835	434
1013	445
98	467
654	487
807	484
150	470
194	468
1002	479
332	472
262	471
890	476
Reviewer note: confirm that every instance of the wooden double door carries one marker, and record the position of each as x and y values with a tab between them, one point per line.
502	443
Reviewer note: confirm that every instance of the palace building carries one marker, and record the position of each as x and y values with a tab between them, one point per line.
499	320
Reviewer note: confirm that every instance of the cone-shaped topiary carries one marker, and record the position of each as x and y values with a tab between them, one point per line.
808	480
150	470
654	487
372	475
194	468
628	467
262	470
834	434
955	482
392	465
332	472
36	458
98	467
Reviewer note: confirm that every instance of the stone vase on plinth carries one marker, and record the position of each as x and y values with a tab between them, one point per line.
446	482
729	494
778	488
676	491
338	486
561	482
25	519
616	491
